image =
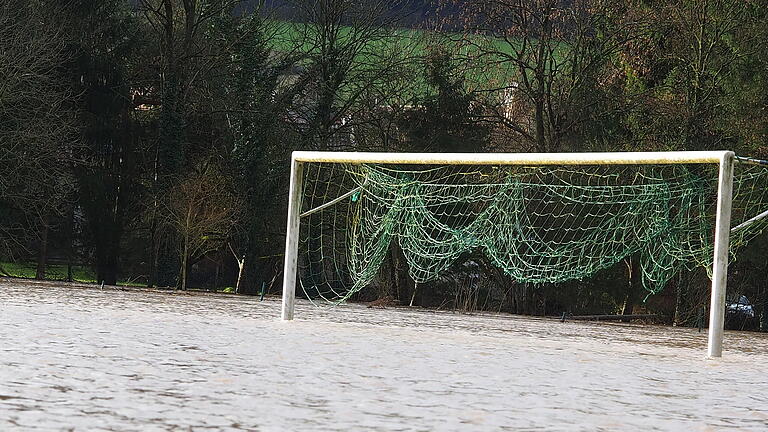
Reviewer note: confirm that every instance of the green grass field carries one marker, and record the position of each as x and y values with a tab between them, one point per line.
81	274
56	273
285	36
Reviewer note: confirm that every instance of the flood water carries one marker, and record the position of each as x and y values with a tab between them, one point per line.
88	359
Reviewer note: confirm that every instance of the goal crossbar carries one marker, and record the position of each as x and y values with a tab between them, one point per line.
723	158
608	158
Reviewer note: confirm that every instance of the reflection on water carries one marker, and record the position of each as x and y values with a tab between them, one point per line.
88	359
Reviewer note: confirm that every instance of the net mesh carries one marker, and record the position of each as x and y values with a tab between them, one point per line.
537	224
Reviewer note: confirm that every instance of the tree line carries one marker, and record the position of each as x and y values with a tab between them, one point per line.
150	139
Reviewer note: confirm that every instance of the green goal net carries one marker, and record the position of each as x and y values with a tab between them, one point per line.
538	224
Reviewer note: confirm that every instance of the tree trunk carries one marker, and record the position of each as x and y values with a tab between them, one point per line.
70	227
252	273
676	318
152	282
250	277
106	258
183	272
42	252
539	119
394	263
541	90
764	311
633	277
530	299
241	267
399	273
110	278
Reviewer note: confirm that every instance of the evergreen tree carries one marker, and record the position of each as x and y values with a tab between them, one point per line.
103	43
447	118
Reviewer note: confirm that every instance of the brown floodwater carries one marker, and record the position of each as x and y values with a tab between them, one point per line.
88	359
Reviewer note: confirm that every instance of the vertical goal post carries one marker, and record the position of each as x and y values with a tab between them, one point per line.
724	159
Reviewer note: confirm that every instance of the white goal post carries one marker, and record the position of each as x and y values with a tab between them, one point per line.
725	160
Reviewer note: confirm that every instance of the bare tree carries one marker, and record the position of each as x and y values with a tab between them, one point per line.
708	41
185	56
36	123
240	259
202	211
544	61
351	47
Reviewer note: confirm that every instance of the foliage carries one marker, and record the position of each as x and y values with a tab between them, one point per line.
448	117
101	44
119	118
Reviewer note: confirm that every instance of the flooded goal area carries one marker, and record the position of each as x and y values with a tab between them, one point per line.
89	359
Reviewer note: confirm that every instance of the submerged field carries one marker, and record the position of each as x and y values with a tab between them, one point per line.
86	359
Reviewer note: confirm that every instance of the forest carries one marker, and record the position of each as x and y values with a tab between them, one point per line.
148	142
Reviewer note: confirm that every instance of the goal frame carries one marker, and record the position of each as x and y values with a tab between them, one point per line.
723	158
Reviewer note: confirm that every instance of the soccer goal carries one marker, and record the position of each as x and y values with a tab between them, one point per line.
539	217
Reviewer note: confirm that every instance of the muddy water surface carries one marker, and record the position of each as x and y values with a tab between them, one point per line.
89	359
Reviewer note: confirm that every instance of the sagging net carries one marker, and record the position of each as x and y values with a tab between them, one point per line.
538	224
